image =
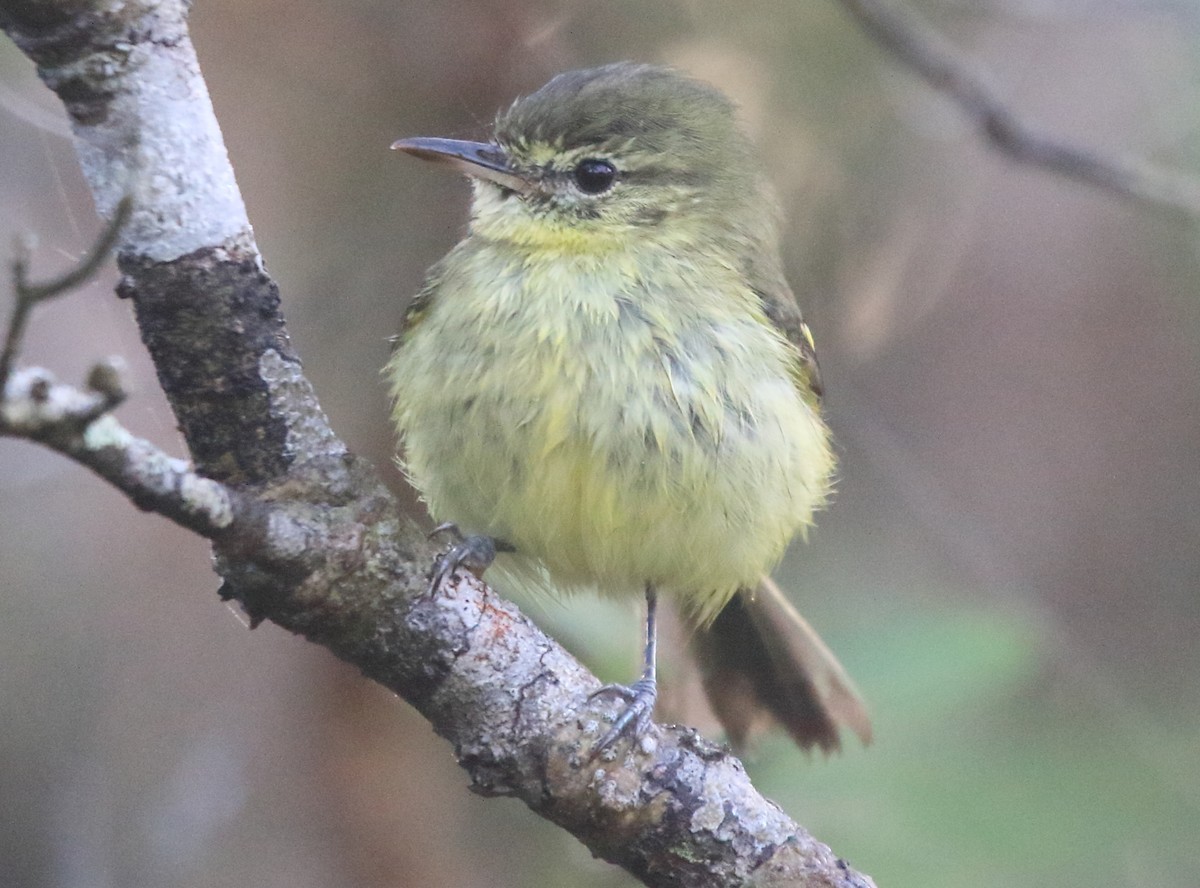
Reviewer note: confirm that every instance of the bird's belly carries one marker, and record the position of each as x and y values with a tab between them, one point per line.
616	477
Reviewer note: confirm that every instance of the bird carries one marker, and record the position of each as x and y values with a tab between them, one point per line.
607	386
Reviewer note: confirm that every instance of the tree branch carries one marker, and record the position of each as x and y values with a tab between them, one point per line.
305	533
75	423
27	295
906	37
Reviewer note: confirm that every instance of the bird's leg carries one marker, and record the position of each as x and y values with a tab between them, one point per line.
642	694
475	552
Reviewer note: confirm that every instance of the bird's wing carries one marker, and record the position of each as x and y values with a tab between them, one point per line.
779	304
419	305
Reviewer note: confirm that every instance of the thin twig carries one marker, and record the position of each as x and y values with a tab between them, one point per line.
74	422
27	294
325	551
911	41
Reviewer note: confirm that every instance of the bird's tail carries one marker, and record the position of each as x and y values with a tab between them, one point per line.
761	659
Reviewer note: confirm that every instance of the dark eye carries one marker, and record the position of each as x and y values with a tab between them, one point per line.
594	176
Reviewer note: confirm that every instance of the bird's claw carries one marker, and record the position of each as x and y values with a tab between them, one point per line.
474	552
635	718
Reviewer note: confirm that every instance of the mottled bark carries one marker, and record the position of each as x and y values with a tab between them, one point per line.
305	533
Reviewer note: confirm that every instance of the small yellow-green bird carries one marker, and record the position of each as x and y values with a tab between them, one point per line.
607	385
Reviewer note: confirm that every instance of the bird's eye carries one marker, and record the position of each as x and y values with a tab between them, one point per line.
594	176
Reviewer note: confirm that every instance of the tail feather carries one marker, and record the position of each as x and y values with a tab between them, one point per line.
762	660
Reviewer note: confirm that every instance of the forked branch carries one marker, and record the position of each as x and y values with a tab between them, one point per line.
305	534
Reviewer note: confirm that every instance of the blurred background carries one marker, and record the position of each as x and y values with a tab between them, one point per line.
1010	568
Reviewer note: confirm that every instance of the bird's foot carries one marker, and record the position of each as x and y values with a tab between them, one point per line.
474	552
635	718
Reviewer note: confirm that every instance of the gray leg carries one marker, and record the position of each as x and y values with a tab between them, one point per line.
642	694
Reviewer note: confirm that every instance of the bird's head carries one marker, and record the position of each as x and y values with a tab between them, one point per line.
620	154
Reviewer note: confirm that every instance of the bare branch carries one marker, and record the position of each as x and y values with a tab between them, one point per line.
89	265
27	295
76	423
906	37
305	533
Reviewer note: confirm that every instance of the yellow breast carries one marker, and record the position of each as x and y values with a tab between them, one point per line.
621	419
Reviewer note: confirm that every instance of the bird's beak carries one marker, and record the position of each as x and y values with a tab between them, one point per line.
480	160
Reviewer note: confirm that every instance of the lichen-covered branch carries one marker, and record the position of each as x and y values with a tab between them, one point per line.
305	533
909	40
76	423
